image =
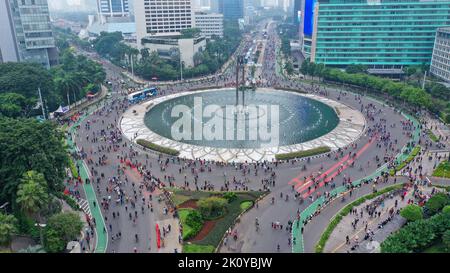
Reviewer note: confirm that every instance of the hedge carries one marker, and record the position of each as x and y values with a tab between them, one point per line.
157	148
346	210
300	154
73	168
194	248
69	200
415	151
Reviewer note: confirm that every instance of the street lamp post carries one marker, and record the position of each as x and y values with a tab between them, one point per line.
4	206
41	226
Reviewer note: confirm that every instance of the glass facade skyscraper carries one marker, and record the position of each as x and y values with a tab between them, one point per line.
377	33
231	9
26	32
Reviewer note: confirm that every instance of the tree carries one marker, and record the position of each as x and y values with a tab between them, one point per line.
212	207
15	105
53	242
304	69
67	225
8	226
289	67
356	68
436	203
412	213
446	239
25	79
27	144
32	193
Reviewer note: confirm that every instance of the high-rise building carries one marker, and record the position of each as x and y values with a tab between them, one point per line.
112	8
232	9
159	25
26	32
440	60
297	12
211	24
156	17
214	6
379	34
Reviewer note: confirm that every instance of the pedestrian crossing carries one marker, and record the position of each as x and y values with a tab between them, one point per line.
84	206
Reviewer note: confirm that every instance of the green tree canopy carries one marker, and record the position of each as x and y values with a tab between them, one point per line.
26	144
412	213
436	203
16	105
32	194
67	225
8	226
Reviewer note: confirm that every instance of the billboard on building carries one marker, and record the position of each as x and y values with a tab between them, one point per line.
309	17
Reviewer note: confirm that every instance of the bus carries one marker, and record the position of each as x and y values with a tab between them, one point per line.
139	96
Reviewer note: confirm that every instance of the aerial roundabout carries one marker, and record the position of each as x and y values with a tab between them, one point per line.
246	126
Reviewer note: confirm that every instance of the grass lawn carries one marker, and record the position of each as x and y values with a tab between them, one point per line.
432	136
245	205
442	170
193	248
183	213
438	247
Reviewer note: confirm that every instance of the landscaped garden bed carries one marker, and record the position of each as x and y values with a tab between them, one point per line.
157	148
300	154
206	216
442	170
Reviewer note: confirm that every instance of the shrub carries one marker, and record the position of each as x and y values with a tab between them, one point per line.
230	196
436	203
412	213
8	226
212	207
300	154
53	242
195	221
446	209
73	168
446	239
157	148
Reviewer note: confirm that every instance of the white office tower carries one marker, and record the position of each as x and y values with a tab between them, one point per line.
26	32
210	24
162	17
158	28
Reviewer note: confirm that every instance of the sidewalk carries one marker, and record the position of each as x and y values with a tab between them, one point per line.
378	227
171	239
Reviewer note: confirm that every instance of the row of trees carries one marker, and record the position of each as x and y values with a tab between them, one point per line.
150	65
421	233
33	159
64	83
33	156
402	91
